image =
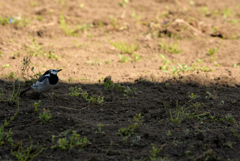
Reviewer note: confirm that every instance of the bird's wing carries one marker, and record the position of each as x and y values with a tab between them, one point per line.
43	77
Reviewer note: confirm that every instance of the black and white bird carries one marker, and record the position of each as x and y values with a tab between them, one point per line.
45	83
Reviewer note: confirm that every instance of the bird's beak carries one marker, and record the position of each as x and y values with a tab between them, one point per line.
59	70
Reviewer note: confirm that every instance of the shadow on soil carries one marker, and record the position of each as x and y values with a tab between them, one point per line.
128	125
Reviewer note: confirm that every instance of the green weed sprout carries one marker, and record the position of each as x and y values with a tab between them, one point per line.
13	97
125	48
7	135
171	48
75	141
123	3
109	85
192	95
6	66
66	29
77	91
181	113
165	64
45	117
154	152
229	118
124	59
236	133
28	154
36	105
131	130
99	128
213	51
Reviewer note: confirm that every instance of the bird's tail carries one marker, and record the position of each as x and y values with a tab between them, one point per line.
24	91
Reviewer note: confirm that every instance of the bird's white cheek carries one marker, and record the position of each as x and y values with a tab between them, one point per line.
54	73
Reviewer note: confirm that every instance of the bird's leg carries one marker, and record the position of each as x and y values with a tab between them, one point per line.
49	95
41	95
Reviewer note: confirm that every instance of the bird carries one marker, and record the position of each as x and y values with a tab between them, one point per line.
45	83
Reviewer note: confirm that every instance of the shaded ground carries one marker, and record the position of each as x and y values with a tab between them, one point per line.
186	58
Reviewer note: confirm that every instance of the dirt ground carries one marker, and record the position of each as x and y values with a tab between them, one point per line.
173	93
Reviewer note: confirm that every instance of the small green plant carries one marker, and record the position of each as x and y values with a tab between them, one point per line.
34	49
227	13
72	32
28	154
136	57
109	85
234	21
213	51
100	100
10	76
131	130
113	21
171	48
36	105
13	97
64	26
206	69
74	141
37	50
124	59
52	55
94	62
209	95
84	28
166	84
39	18
123	3
236	133
169	133
229	118
7	135
99	128
124	89
125	48
15	93
165	64
6	66
191	95
181	113
77	91
177	70
4	20
46	117
154	152
187	152
33	4
215	29
221	120
108	62
1	54
18	22
213	118
134	15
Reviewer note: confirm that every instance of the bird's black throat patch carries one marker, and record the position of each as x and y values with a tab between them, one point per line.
53	79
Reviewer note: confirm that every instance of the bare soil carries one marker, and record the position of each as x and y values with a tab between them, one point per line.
209	129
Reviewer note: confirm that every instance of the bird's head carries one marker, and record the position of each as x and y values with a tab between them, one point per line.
54	71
